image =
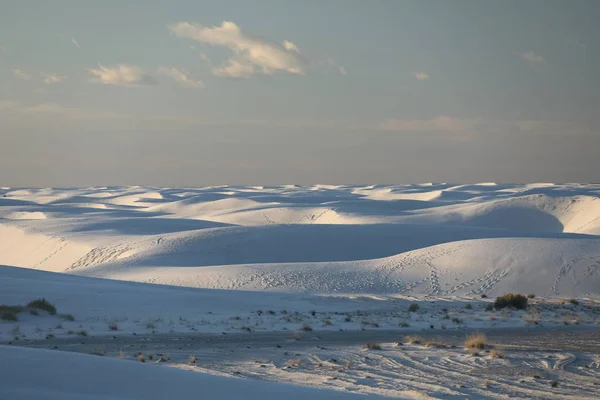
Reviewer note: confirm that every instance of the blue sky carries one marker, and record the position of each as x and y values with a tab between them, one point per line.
265	92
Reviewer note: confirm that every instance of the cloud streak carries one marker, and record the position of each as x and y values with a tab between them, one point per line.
75	43
251	55
121	75
20	74
51	79
181	77
533	59
421	76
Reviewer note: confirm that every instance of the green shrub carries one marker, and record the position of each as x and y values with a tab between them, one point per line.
8	315
513	300
67	317
414	307
42	304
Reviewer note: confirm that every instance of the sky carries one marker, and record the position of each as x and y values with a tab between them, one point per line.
265	92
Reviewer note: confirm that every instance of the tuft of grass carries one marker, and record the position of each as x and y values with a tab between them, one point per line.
456	320
67	317
484	296
307	328
476	340
42	304
373	346
468	306
414	307
10	316
33	311
554	384
141	357
573	300
113	326
413	339
82	333
403	324
192	359
434	344
517	301
495	353
489	307
531	296
348	318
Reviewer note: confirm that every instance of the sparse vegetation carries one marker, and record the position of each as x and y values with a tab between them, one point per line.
141	357
8	315
82	333
434	344
517	301
484	296
468	306
476	340
192	359
403	324
574	301
414	307
489	307
42	304
495	353
113	326
307	328
67	317
373	346
413	339
554	384
348	318
531	296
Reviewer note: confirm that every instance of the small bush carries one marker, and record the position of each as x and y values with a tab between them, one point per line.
192	359
573	300
456	320
67	317
554	384
113	327
414	307
34	312
403	324
307	328
82	333
373	346
413	339
433	344
468	306
476	340
42	304
141	358
531	296
496	354
484	296
8	316
348	319
489	307
517	301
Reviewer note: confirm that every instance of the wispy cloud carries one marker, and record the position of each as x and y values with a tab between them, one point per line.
51	79
121	75
20	74
252	55
182	77
421	76
75	43
533	59
438	124
343	71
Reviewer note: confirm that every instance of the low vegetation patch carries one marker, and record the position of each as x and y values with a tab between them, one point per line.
434	344
413	339
66	317
496	354
517	301
373	346
307	328
8	315
42	304
414	307
476	340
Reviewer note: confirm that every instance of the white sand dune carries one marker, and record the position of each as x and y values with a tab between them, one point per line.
436	238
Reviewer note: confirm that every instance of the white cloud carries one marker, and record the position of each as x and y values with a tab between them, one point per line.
75	43
122	75
421	76
533	59
50	79
182	77
234	69
437	124
251	54
343	71
20	74
203	56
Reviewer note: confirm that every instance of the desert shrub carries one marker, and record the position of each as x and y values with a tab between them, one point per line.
468	306
42	304
573	300
348	319
484	296
82	333
113	326
496	354
307	328
476	340
192	359
456	320
67	317
414	307
434	344
413	339
554	384
8	315
373	346
489	307
517	301
34	312
531	296
403	324
141	358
